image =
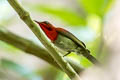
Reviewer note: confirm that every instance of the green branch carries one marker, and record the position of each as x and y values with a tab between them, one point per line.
31	48
24	15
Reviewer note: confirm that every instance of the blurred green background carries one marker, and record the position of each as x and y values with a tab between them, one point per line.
84	18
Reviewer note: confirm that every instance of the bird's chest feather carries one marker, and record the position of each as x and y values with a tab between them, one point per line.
65	43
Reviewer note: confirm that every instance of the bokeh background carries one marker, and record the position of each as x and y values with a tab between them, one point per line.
95	22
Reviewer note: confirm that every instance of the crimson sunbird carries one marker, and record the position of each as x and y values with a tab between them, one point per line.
66	41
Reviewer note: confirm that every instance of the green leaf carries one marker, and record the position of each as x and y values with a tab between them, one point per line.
85	62
66	15
62	76
98	7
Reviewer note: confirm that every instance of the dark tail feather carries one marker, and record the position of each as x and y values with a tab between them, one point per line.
91	58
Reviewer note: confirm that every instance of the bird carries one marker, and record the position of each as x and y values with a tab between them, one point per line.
66	41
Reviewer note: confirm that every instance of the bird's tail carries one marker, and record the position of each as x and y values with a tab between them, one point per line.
90	57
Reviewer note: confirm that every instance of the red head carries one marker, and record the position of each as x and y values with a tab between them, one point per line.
49	30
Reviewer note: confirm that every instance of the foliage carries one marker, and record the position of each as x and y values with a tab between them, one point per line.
95	11
65	14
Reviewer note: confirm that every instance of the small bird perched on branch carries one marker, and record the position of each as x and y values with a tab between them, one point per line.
66	41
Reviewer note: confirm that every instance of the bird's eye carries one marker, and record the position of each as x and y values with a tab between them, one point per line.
49	28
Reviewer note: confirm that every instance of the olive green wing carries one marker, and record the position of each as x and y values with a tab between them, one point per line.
70	36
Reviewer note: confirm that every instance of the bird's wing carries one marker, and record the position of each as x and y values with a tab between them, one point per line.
70	36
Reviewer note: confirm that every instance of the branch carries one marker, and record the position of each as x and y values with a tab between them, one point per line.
31	48
24	15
